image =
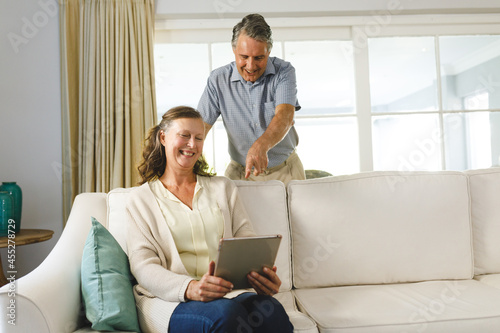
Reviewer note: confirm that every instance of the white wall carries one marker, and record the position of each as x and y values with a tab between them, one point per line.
30	121
284	8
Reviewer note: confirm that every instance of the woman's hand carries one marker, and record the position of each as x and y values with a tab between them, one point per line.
265	285
209	287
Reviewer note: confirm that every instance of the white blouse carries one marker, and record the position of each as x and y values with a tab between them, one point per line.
196	232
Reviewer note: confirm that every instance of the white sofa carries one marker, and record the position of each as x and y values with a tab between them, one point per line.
370	252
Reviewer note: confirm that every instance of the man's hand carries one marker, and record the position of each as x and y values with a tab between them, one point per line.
275	132
209	287
256	159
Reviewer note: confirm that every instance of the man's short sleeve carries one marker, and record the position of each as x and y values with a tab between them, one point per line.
286	88
209	103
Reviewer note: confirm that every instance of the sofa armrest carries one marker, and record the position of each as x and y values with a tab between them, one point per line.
49	299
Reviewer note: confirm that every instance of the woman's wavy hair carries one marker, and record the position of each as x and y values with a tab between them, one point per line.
154	160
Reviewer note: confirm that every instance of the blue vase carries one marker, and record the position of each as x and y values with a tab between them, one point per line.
6	212
17	196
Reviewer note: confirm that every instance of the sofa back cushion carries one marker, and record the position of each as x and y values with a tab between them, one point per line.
380	227
485	206
117	199
266	205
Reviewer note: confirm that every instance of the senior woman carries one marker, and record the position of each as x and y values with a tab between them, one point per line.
175	220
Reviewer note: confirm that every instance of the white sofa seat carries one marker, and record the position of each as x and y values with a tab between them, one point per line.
301	322
431	307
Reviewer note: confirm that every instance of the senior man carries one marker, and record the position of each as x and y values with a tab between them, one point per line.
256	95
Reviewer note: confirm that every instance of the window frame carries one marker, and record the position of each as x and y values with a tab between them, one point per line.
348	28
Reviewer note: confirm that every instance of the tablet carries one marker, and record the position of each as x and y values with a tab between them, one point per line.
240	255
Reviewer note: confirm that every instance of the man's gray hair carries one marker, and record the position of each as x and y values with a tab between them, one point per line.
254	26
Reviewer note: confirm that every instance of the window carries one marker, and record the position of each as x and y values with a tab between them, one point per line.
325	76
182	70
412	97
402	74
326	123
181	73
407	142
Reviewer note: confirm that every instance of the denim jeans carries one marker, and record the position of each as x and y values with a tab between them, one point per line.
248	312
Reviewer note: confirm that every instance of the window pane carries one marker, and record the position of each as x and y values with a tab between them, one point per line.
181	72
470	72
402	74
470	142
222	53
329	144
325	75
215	148
407	143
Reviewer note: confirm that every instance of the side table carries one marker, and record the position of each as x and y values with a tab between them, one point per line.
23	237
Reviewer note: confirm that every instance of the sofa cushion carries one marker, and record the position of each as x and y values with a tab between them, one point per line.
116	201
300	322
380	227
433	306
106	283
267	208
485	207
492	280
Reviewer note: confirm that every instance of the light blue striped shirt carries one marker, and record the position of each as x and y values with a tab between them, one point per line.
247	108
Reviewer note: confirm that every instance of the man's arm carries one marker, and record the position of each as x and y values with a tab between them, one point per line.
275	132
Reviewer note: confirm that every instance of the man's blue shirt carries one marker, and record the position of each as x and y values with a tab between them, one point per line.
247	108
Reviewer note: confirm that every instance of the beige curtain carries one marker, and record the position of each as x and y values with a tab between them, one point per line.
108	96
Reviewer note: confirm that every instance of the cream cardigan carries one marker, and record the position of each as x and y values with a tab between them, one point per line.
154	259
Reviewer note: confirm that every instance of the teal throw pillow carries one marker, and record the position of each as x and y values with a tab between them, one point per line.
107	283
